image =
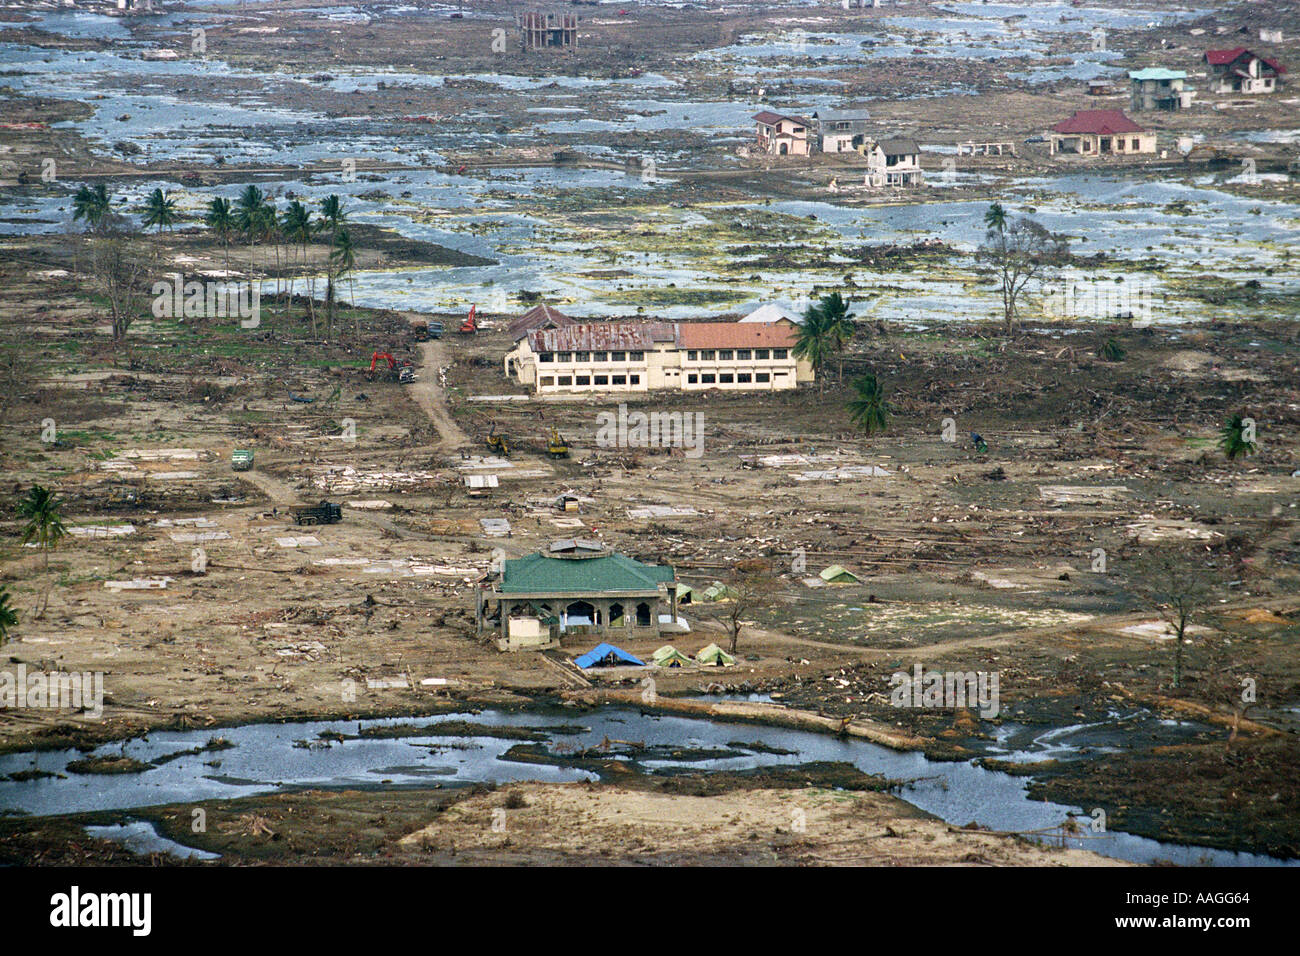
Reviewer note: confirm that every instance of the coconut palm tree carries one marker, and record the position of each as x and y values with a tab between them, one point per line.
835	309
44	523
995	218
1235	440
248	208
159	210
342	262
298	228
8	616
93	205
331	211
868	409
221	220
816	341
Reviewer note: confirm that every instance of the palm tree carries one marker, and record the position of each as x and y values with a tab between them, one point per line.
44	523
1234	439
869	410
8	616
835	309
267	224
92	205
247	212
996	217
159	210
298	228
221	220
331	210
342	262
816	340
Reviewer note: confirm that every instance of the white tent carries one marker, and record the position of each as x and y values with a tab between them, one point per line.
774	312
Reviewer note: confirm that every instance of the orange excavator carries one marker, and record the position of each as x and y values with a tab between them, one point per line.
403	372
470	325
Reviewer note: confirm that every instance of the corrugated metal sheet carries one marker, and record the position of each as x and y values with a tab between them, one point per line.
602	337
537	317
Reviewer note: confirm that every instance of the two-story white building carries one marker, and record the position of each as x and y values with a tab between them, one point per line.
1241	71
894	162
646	356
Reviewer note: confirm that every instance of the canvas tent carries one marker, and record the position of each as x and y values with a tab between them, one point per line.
685	594
669	656
607	655
714	655
717	591
836	574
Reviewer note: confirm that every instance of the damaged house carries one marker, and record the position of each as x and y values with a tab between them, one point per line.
894	162
843	131
782	135
1240	71
575	588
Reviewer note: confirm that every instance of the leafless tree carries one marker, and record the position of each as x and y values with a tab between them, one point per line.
122	270
1179	584
1019	253
750	587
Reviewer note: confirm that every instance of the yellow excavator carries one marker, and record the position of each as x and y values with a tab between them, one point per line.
497	444
556	446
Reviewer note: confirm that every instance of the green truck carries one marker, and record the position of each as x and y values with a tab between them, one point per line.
324	513
241	459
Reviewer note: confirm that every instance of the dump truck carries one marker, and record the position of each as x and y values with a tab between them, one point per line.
241	459
435	330
324	513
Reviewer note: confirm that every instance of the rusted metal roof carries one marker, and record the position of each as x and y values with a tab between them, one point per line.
601	336
538	317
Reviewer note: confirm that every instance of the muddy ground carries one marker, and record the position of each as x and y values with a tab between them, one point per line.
967	560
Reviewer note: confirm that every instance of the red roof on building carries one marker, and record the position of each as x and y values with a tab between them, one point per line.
735	335
538	317
1099	122
1226	57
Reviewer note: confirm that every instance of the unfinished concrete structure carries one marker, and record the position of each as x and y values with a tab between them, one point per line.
545	31
1156	88
844	131
575	588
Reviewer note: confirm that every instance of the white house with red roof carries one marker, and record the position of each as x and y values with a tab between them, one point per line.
634	356
780	134
1100	133
1241	71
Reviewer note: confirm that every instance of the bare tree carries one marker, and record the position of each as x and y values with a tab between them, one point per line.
750	587
1019	253
121	269
1179	584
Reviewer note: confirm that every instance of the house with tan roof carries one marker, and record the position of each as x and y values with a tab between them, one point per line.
617	357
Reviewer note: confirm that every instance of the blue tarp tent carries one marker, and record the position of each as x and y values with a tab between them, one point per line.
606	655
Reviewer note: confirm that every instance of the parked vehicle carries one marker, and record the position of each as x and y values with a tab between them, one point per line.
324	513
241	459
435	330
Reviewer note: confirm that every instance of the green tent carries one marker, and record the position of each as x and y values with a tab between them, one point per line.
669	656
715	656
837	574
685	594
717	591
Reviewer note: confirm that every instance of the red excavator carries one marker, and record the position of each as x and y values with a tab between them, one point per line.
470	325
403	372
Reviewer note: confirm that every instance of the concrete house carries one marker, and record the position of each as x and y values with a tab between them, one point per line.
843	131
575	588
1240	71
1156	88
894	162
1100	133
616	357
781	135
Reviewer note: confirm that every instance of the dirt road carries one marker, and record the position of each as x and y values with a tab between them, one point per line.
431	399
